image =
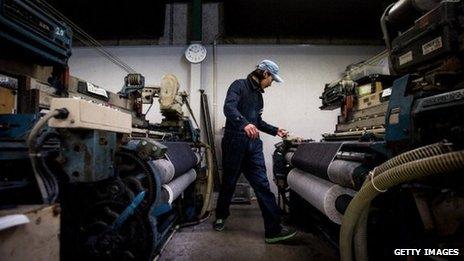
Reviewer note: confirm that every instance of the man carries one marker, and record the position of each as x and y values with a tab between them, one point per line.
242	149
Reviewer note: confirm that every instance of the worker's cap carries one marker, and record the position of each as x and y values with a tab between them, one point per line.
272	68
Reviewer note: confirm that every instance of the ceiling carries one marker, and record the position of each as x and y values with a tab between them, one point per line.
134	19
345	19
309	19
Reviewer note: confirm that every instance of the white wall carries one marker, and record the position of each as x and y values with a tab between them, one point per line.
292	105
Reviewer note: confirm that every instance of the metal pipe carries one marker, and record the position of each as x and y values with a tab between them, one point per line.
405	12
402	13
209	182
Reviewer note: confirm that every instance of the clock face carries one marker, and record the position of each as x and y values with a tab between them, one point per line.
195	53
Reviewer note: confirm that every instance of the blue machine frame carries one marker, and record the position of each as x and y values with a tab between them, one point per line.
48	38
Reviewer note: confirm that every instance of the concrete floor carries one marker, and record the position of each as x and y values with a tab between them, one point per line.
243	239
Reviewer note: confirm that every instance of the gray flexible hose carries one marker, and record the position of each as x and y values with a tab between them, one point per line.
360	237
360	234
412	155
421	168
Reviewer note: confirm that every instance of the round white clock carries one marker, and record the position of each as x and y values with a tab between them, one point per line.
195	53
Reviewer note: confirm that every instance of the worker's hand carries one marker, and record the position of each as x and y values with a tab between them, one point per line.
282	133
251	131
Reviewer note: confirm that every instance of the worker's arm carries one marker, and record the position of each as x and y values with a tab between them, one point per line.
266	127
231	106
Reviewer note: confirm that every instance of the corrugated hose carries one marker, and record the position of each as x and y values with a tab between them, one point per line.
422	162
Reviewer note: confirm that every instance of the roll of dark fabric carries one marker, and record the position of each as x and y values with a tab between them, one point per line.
181	156
315	157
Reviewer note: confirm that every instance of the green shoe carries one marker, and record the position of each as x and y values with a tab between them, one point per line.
218	225
285	233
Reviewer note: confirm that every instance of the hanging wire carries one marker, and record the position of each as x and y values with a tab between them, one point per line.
86	39
101	51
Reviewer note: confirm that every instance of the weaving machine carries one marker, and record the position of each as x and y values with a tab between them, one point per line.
118	184
388	175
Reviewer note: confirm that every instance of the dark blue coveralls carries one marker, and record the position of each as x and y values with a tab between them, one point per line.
241	154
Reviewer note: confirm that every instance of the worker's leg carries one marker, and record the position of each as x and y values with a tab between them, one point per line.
233	151
255	172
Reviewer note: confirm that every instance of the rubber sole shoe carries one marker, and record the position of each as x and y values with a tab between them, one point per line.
285	234
218	225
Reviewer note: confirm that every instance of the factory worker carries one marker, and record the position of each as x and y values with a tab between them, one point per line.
242	149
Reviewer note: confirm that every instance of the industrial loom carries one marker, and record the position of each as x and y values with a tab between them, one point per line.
390	176
109	184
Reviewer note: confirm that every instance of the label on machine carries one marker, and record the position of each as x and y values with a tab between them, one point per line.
405	58
386	92
431	46
96	90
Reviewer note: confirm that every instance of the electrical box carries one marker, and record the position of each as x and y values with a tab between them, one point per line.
89	115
